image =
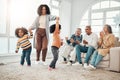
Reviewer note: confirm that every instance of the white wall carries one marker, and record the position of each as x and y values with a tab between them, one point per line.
79	7
65	17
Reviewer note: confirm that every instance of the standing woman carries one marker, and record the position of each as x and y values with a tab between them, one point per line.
41	39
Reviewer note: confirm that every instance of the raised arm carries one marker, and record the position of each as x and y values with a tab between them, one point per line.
57	26
52	18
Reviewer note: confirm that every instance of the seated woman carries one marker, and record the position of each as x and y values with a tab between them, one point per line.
106	41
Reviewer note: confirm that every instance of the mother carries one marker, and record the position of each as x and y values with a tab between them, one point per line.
41	24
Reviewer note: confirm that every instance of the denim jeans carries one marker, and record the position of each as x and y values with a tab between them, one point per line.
89	54
80	49
55	52
26	54
96	58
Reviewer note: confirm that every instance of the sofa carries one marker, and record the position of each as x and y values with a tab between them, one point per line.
112	60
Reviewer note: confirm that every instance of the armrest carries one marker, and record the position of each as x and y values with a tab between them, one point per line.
115	59
114	51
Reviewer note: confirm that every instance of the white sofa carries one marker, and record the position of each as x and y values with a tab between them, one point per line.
112	60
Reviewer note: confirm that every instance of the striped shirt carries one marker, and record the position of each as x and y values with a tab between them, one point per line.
24	42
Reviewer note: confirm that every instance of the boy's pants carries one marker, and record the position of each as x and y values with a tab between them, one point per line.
55	52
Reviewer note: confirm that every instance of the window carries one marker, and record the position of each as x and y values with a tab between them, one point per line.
13	14
55	3
102	13
55	7
3	16
105	4
96	6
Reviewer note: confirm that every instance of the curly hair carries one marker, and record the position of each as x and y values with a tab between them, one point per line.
39	11
25	31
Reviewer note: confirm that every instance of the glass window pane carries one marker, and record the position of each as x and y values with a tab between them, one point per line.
115	29
97	15
4	45
3	16
84	22
114	4
112	14
96	6
97	22
55	3
12	45
22	16
105	4
110	21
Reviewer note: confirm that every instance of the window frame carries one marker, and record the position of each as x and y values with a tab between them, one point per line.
103	10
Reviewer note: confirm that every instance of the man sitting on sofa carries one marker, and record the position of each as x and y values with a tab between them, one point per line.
88	46
71	43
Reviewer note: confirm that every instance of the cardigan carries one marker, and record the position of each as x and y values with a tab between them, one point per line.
36	25
108	41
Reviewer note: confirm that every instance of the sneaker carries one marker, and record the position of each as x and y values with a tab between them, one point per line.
77	63
91	67
44	63
37	62
85	65
69	64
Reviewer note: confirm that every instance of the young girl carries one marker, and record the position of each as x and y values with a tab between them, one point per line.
24	43
55	29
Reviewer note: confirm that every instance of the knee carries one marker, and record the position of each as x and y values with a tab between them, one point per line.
27	58
77	47
91	48
44	49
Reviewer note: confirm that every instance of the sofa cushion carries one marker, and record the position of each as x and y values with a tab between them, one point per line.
107	57
104	64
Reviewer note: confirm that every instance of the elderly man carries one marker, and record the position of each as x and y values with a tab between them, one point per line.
88	46
74	40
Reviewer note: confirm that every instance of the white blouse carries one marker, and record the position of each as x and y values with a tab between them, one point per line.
42	21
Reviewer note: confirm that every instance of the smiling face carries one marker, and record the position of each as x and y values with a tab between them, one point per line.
78	32
88	30
43	10
20	33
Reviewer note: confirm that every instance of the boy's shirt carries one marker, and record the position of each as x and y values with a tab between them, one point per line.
56	36
24	42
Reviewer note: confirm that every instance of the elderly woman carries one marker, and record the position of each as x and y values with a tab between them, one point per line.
105	42
41	24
